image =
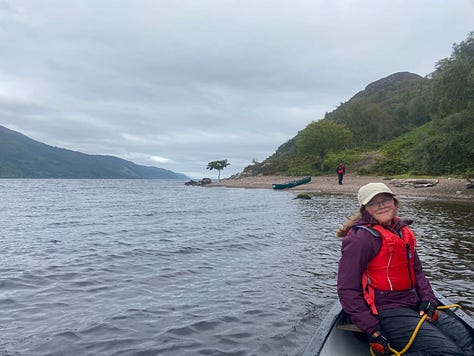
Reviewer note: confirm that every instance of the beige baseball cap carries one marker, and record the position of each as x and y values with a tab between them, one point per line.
368	191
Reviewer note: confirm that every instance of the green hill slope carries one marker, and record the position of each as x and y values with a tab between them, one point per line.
401	124
22	157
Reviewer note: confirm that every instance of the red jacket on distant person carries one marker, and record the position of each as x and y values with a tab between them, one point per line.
340	169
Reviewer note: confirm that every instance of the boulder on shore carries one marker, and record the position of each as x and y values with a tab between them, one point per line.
199	183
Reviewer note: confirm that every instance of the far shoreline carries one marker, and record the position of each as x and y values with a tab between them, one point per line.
449	189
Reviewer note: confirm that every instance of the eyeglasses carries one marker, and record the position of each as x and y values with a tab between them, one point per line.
387	201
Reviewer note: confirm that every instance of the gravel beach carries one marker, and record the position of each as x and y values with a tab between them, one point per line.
446	189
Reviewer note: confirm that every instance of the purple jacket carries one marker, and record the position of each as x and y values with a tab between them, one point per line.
358	248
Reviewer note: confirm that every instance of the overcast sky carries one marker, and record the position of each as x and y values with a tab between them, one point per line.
179	83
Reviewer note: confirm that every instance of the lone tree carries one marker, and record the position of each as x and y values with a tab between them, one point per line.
219	165
323	136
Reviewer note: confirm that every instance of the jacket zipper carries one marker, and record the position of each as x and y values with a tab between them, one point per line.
387	271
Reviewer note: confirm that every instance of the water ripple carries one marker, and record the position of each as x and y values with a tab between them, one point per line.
116	267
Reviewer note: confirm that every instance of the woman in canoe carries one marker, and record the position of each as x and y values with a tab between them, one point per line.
381	284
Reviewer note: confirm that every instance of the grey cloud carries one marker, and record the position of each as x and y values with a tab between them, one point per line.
193	81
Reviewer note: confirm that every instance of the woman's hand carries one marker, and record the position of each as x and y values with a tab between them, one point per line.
430	309
379	343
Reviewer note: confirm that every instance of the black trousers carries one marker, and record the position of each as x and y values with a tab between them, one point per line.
447	336
339	177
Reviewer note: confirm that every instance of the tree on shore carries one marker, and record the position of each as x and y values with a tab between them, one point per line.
323	136
219	165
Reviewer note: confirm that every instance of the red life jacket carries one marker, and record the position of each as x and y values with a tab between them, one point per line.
340	169
392	269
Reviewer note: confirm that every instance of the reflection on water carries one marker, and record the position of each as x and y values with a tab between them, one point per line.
445	233
115	267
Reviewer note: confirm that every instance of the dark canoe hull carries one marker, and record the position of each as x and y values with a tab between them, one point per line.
292	183
330	339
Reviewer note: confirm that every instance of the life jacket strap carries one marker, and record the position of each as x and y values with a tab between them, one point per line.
373	232
369	294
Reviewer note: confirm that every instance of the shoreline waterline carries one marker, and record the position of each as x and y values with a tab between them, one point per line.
445	189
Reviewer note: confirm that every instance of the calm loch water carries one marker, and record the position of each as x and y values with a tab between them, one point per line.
152	267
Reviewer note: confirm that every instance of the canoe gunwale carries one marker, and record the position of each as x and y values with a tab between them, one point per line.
461	314
320	336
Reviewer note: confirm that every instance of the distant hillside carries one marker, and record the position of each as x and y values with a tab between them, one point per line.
400	124
22	157
385	109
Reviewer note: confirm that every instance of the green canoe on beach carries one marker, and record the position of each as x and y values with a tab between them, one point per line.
292	183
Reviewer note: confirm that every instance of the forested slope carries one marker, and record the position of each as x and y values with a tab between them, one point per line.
401	124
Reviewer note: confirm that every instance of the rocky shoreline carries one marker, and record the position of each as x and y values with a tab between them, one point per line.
444	189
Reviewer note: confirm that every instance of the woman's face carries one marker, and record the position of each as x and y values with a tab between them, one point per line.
382	208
